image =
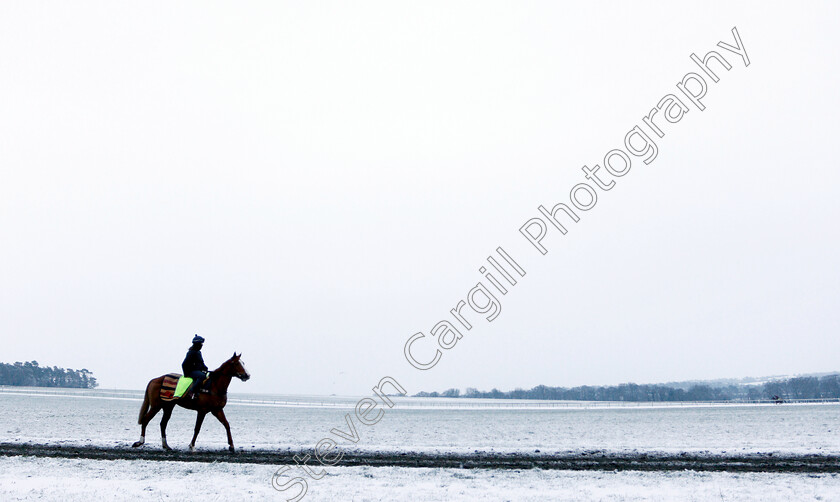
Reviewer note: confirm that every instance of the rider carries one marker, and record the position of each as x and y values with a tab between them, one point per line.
194	367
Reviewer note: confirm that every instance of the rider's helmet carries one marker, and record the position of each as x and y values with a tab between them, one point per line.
198	339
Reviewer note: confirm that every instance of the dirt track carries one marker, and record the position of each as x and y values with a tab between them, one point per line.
586	461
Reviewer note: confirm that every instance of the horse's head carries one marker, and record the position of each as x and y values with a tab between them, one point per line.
237	368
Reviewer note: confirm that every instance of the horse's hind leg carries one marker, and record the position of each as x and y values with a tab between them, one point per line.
151	405
145	421
167	412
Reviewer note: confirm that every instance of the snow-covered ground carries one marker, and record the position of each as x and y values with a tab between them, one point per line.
27	478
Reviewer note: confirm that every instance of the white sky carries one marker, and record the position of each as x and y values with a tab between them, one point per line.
312	183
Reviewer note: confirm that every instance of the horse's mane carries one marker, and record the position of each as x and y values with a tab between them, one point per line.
224	365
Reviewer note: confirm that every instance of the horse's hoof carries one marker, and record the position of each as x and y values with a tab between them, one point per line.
138	443
167	448
192	448
232	449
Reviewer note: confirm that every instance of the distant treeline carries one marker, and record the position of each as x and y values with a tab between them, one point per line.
792	388
31	374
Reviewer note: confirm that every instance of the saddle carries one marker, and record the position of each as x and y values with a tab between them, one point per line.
175	385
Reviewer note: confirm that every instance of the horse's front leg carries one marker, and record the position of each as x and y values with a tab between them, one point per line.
198	420
220	414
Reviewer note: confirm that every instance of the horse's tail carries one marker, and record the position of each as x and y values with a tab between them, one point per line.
145	408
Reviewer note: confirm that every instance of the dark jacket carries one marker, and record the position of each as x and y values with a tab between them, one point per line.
193	361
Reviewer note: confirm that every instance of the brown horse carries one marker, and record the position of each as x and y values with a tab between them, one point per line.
214	402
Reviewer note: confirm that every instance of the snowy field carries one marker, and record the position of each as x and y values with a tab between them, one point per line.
108	418
84	480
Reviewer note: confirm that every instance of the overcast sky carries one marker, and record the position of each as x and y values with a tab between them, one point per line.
313	183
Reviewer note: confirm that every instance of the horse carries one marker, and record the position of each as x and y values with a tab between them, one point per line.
214	402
